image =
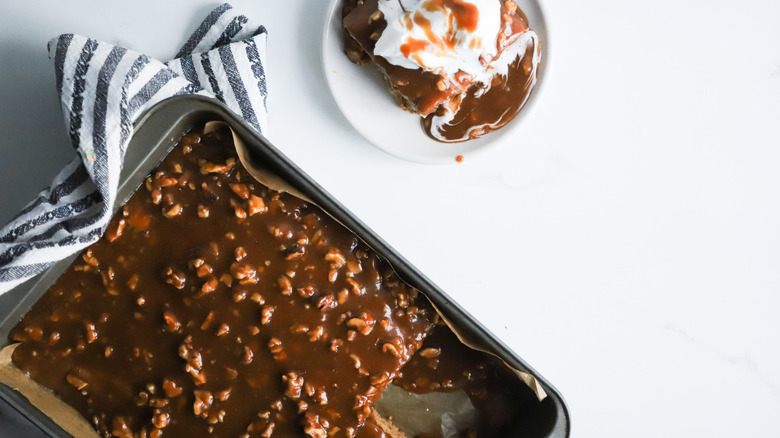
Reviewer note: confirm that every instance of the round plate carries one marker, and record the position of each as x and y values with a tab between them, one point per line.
361	94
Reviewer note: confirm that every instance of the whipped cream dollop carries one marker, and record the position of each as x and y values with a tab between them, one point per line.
442	36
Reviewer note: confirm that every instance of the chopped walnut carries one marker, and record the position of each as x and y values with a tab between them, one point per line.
92	334
174	211
392	349
266	313
203	401
326	301
429	353
160	419
171	323
120	428
207	167
316	333
294	385
243	271
76	382
335	257
115	230
292	252
240	189
256	205
175	278
170	388
285	284
210	285
355	287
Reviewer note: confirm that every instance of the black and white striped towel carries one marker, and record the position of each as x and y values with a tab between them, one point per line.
103	89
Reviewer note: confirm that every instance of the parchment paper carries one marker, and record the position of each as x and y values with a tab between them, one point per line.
73	423
43	399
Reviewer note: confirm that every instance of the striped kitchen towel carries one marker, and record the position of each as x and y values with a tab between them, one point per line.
103	89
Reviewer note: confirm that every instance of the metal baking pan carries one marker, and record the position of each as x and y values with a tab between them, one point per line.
156	133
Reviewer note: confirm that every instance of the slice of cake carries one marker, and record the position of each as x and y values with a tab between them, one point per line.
466	66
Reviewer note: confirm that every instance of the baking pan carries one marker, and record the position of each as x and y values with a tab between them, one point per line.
157	132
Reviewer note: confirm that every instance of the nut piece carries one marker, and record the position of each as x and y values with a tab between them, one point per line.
256	205
326	301
120	428
307	291
160	419
364	325
240	189
299	328
292	252
294	385
247	359
203	401
224	394
380	379
204	270
335	257
207	167
170	388
267	312
92	334
316	333
223	330
90	258
76	382
285	284
392	349
115	230
355	359
355	287
243	272
313	427
275	346
174	211
429	353
171	323
175	278
210	285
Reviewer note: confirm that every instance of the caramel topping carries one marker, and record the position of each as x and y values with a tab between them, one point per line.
150	330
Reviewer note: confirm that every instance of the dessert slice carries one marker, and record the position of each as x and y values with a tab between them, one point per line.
417	90
214	306
466	66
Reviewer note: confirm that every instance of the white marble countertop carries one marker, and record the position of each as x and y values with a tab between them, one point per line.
625	241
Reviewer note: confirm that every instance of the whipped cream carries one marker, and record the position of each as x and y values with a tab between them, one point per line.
442	36
453	37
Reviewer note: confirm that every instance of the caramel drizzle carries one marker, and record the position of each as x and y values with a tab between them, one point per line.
465	15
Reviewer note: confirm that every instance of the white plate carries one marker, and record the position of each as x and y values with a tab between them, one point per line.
361	94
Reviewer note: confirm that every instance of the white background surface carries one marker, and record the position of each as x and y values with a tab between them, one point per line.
625	241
